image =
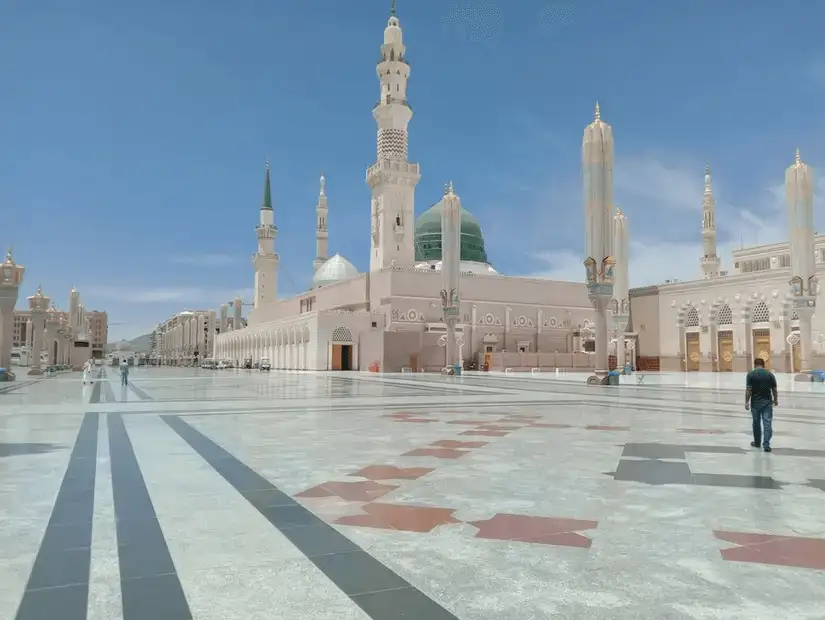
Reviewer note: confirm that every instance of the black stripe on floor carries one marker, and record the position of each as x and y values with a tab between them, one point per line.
149	584
58	585
141	394
95	397
108	393
376	589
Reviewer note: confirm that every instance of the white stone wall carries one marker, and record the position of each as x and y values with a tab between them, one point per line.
740	304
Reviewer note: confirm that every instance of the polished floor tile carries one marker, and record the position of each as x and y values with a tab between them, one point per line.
203	495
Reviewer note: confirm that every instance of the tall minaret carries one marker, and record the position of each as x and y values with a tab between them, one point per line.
321	233
597	177
266	260
451	270
621	296
74	302
799	194
710	259
392	177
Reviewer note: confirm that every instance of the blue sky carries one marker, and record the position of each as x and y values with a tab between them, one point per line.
133	136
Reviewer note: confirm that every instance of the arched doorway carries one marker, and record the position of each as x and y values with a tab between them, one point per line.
724	338
693	352
342	355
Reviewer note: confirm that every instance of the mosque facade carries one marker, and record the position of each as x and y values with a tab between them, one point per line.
726	319
390	317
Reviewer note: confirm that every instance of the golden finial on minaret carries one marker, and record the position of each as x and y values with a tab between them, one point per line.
9	257
597	115
618	210
707	169
392	8
267	163
798	158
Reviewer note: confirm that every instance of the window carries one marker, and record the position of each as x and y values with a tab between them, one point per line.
692	318
761	314
725	316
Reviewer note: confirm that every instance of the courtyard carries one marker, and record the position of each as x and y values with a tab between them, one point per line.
239	495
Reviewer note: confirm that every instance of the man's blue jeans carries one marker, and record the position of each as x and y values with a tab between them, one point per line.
762	414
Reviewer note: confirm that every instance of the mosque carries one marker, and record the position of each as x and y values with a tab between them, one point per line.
390	317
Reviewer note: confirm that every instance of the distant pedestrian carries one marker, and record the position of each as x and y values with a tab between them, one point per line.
87	372
124	373
761	397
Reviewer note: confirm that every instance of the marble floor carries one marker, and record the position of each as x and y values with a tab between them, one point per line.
240	495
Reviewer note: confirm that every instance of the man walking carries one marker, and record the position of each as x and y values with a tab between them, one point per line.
761	397
124	373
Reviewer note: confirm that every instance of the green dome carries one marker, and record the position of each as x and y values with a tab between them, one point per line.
427	236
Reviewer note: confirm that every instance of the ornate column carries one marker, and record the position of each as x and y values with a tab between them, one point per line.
597	169
621	297
11	277
804	285
38	306
451	269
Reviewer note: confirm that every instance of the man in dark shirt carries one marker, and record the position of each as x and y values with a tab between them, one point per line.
761	397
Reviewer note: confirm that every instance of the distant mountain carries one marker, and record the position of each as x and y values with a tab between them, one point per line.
141	344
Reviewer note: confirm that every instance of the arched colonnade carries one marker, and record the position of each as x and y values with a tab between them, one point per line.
712	335
288	348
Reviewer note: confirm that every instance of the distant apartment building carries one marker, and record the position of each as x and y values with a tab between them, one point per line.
185	338
98	329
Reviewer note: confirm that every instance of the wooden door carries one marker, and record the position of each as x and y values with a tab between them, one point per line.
693	353
762	345
797	357
414	363
337	356
725	351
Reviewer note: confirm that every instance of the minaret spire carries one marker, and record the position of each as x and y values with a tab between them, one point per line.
710	259
621	296
393	177
267	201
265	260
321	233
597	114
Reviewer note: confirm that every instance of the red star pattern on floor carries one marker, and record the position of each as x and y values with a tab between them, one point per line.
774	549
439	453
391	472
406	518
539	530
366	491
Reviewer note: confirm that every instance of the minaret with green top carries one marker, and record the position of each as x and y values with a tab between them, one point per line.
266	261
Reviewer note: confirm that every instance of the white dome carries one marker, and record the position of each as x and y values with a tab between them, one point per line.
335	269
466	266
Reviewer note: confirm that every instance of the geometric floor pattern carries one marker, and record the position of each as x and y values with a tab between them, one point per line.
238	495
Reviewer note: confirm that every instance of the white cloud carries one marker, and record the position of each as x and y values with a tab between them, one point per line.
185	295
648	180
206	260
